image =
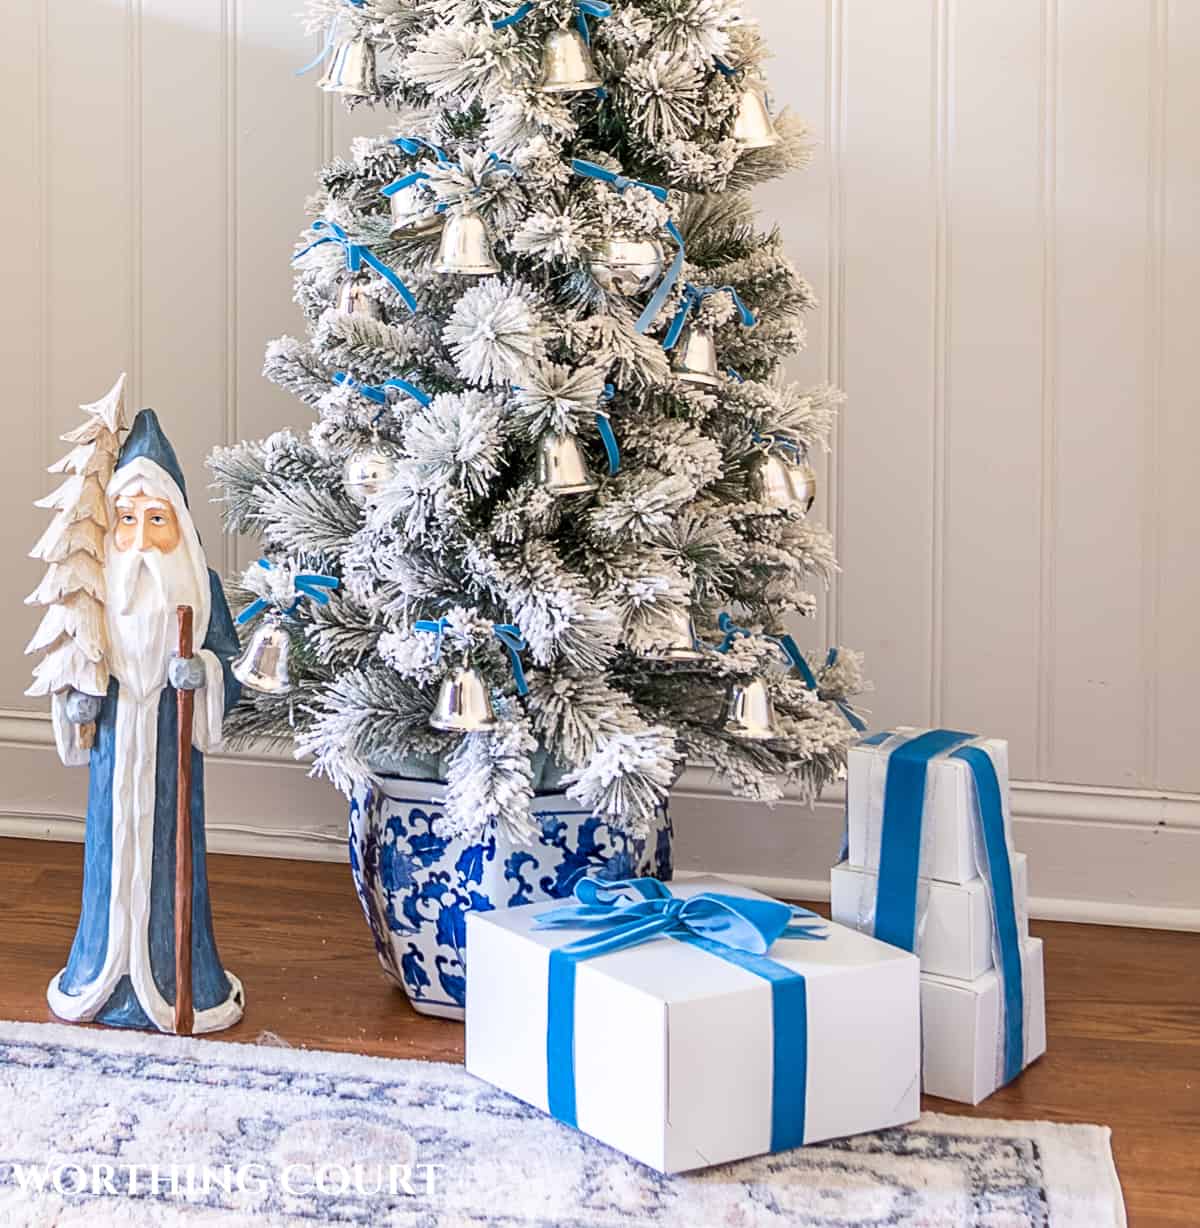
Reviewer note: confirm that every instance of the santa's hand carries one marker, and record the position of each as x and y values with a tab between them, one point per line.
82	708
186	673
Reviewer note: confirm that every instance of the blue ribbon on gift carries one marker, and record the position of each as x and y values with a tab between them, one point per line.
378	393
738	930
592	170
306	584
356	256
508	635
900	858
693	296
583	10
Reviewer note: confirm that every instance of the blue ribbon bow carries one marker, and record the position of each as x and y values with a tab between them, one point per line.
900	865
583	10
356	256
593	171
378	393
413	144
306	584
508	635
693	296
739	930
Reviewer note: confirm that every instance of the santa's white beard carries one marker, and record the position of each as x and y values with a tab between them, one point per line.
143	590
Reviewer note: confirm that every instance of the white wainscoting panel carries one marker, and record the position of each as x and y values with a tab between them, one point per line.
1000	222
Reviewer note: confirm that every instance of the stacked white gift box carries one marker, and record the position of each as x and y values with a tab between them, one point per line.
953	891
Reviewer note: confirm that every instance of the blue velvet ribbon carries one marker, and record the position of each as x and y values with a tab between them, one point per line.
356	256
512	639
900	858
508	635
306	584
740	931
583	10
693	296
610	442
413	144
378	393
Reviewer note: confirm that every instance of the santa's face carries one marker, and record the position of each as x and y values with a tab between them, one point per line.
145	523
149	571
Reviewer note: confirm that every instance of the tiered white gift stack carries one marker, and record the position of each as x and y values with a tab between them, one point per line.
954	892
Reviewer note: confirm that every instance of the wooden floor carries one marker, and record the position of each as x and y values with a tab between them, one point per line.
1123	1006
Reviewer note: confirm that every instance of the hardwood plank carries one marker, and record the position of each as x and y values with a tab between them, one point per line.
1123	1006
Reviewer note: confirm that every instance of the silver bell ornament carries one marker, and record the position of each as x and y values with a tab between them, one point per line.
351	69
263	666
567	65
413	216
750	711
672	638
463	703
624	265
368	470
466	246
752	127
694	358
353	299
562	467
787	485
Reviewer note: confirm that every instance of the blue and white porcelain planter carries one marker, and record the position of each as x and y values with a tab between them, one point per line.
416	887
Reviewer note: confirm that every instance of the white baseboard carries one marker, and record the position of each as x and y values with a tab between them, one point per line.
1098	855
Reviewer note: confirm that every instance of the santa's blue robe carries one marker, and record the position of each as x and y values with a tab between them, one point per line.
210	985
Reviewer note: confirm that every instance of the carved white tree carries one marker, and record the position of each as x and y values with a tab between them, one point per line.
72	631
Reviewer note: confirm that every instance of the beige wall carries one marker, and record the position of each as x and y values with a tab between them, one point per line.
1001	225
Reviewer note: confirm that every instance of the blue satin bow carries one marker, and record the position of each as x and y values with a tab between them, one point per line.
306	584
356	256
635	910
508	635
379	392
693	296
412	144
583	10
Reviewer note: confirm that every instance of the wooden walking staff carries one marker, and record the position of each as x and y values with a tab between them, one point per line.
184	1016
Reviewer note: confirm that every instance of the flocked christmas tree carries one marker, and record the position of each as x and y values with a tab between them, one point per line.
555	465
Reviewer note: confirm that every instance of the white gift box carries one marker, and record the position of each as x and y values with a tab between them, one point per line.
673	1045
956	940
949	811
961	1020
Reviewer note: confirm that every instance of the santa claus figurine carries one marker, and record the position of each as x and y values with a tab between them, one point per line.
122	966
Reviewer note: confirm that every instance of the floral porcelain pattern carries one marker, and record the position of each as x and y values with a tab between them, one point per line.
416	887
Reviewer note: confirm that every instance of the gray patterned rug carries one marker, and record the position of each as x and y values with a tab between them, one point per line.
128	1129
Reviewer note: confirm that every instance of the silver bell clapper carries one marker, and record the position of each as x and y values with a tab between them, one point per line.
672	637
785	482
604	265
464	703
749	709
690	342
357	255
265	664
